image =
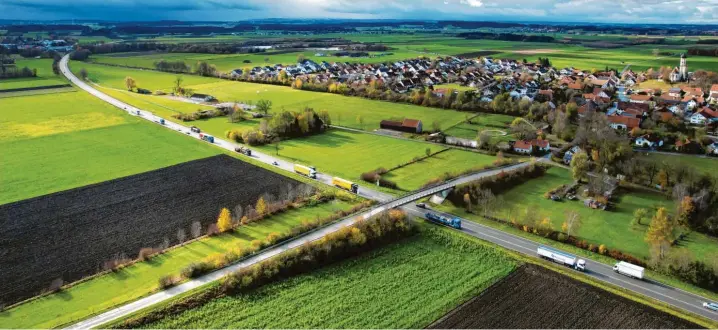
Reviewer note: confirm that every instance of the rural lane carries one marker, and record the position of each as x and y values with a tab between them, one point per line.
672	296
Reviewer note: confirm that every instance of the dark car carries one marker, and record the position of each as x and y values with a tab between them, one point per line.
421	205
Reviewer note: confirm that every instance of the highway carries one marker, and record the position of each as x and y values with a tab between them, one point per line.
669	295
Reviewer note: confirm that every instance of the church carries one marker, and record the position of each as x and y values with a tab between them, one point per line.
680	73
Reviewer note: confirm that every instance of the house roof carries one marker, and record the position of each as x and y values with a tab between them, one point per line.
639	97
575	86
708	112
539	143
414	123
714	88
629	122
526	145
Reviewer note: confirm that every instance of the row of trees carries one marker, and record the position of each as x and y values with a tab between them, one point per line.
284	125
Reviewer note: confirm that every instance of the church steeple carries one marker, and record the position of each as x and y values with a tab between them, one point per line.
683	67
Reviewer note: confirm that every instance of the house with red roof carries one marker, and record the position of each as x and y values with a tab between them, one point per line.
623	122
703	116
523	147
713	95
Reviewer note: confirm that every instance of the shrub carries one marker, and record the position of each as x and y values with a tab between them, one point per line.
167	281
273	238
562	237
196	269
602	249
147	253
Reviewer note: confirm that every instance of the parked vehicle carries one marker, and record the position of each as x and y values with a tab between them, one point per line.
195	129
562	258
555	198
435	218
206	137
629	270
308	171
344	184
711	306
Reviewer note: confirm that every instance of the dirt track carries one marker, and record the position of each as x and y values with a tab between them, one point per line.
71	234
534	297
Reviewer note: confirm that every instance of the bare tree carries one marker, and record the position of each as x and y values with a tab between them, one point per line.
56	285
181	235
196	229
572	223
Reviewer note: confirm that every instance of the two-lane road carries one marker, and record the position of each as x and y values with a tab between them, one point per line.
669	295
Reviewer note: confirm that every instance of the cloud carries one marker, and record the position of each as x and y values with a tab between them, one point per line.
615	11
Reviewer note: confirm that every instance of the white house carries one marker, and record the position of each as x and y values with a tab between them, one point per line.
705	114
523	147
646	142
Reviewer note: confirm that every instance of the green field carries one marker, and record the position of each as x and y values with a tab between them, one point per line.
702	165
227	63
343	110
414	176
77	141
45	76
404	285
132	282
347	154
612	228
495	124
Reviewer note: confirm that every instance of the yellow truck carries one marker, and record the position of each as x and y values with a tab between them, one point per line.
344	184
307	171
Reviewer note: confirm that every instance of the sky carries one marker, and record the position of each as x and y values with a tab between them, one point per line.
599	11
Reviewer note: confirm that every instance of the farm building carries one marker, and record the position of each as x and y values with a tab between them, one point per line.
407	125
202	98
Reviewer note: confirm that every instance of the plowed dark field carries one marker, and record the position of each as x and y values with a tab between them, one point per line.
534	297
71	234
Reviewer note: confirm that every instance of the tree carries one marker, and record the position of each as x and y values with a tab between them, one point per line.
572	224
301	58
277	147
130	83
196	229
685	210
656	52
178	85
261	206
467	202
181	235
579	165
83	74
639	216
360	121
436	126
663	178
224	221
660	231
264	106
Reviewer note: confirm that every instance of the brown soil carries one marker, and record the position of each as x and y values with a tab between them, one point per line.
534	297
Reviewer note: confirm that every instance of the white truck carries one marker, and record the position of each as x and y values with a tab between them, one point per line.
629	270
562	258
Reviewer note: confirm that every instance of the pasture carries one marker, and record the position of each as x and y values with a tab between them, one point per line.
135	281
612	228
346	111
438	268
66	146
414	176
45	76
494	124
702	165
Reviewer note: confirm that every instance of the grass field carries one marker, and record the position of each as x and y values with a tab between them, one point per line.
343	110
227	63
414	176
496	124
45	77
66	145
612	228
138	280
700	164
438	269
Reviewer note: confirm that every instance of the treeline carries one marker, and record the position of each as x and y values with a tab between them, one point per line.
172	66
506	37
348	242
209	48
8	72
475	193
695	51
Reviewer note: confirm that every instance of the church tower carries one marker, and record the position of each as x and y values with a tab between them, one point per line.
683	68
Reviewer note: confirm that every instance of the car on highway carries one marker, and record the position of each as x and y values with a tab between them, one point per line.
421	205
275	163
711	306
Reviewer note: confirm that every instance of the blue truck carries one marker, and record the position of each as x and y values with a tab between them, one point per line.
435	218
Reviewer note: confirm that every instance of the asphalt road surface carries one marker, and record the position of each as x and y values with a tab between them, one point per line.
670	295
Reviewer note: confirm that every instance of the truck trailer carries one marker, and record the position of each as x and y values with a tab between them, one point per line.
344	184
562	258
435	218
307	171
629	270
